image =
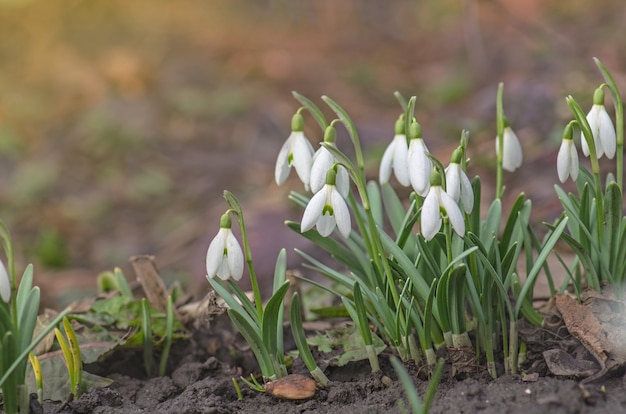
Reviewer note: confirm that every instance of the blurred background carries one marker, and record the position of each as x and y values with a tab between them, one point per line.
122	122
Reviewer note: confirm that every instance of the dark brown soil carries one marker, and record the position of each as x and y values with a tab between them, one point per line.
206	387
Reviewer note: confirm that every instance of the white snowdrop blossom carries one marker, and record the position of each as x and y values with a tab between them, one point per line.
436	204
511	151
297	151
420	166
395	157
5	284
224	258
327	209
323	160
567	158
458	186
601	127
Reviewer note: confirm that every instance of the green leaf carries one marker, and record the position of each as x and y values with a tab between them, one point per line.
253	339
271	323
373	193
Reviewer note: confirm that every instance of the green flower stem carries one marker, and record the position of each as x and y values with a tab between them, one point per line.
358	176
448	232
619	120
580	117
235	207
500	128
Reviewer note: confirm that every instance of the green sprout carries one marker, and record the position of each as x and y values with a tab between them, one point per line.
18	316
417	406
72	355
146	325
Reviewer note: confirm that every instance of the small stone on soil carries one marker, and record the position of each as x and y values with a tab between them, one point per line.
292	387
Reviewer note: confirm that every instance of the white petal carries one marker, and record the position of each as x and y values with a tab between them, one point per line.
400	160
281	172
454	213
467	193
323	160
593	119
420	166
325	225
215	253
431	216
313	210
342	181
302	154
342	214
234	257
453	181
583	145
386	163
563	161
606	132
512	151
5	284
573	162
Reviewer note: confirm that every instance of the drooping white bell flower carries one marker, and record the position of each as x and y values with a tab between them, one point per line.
224	258
601	127
324	160
420	165
458	186
395	157
567	158
436	204
297	151
327	209
5	284
512	150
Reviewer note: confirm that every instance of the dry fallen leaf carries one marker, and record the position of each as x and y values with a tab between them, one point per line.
292	387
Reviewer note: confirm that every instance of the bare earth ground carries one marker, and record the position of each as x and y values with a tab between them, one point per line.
121	123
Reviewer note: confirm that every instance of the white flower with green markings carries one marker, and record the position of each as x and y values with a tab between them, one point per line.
327	209
458	186
323	161
420	165
512	156
296	152
438	204
601	127
567	158
224	257
395	157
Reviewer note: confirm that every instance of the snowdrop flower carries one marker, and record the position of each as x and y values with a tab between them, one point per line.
436	203
458	186
512	151
567	159
395	157
326	209
601	128
297	152
420	166
224	257
324	160
5	284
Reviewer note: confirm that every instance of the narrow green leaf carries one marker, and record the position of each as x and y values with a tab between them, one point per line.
254	340
271	325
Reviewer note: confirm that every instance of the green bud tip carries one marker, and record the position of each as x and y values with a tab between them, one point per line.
415	130
435	178
598	96
331	176
505	122
225	222
457	156
330	134
297	122
568	132
399	127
